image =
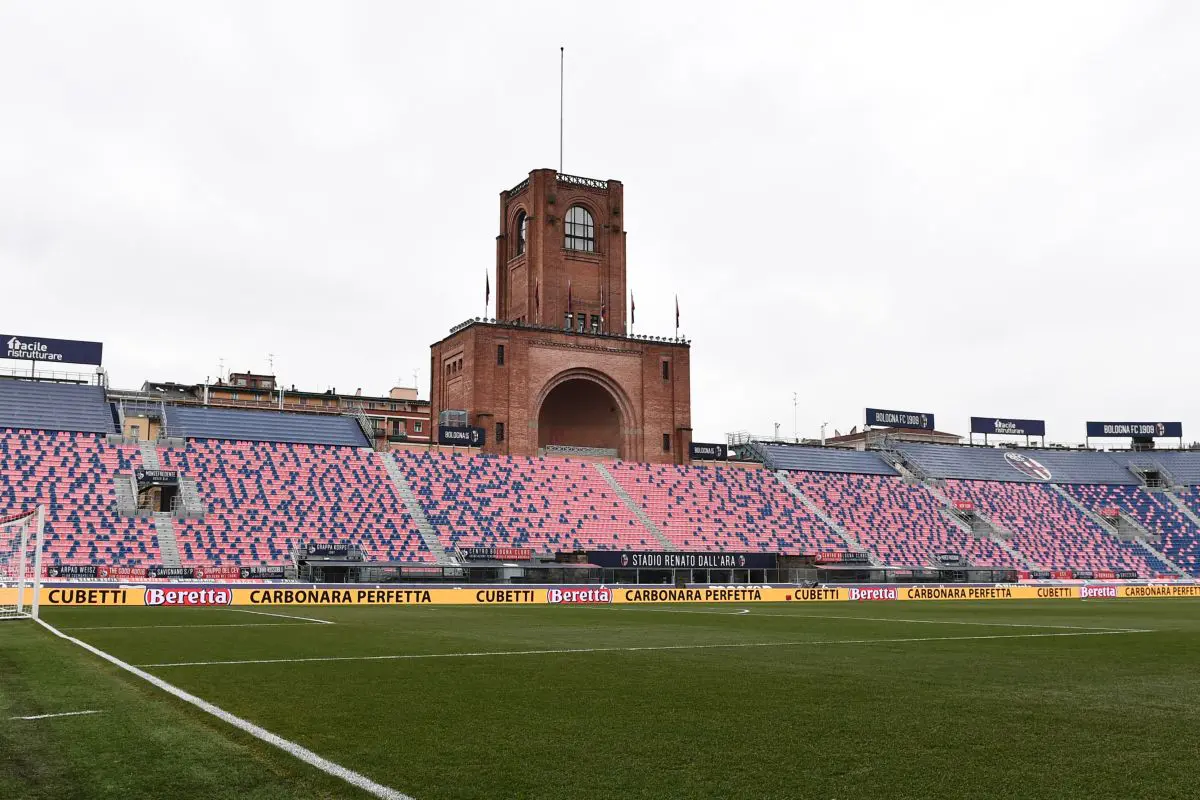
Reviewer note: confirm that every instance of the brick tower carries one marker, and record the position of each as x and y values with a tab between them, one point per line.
556	370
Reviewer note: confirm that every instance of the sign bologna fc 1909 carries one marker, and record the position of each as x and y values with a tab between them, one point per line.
883	418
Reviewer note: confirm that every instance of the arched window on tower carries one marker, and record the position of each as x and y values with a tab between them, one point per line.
522	230
580	230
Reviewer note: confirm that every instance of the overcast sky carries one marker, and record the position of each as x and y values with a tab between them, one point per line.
958	207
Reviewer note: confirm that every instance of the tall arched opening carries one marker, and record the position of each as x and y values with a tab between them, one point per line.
580	411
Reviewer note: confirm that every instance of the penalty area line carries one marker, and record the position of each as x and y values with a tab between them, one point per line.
262	734
282	616
645	648
61	714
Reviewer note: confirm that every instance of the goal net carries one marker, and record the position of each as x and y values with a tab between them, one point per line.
20	563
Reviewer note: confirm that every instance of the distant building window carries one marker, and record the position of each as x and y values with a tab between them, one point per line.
499	431
666	442
595	323
581	322
567	321
500	355
418	427
666	369
580	230
233	395
522	230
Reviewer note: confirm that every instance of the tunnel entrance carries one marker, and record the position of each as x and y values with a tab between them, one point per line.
580	413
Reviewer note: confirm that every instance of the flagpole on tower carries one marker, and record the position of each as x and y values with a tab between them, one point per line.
562	59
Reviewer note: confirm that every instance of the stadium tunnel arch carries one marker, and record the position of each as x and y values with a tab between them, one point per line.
584	407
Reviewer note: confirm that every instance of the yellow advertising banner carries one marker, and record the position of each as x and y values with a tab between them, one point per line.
1160	590
988	593
179	595
719	594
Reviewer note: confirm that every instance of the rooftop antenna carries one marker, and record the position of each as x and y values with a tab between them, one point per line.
795	427
221	368
271	363
562	59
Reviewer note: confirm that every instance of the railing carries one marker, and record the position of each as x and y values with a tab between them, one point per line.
579	450
60	376
520	187
590	183
555	329
366	424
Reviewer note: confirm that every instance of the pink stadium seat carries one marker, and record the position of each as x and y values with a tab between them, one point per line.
264	498
1049	530
72	474
1153	511
724	508
900	523
548	504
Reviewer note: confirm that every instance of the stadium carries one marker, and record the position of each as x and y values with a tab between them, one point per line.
519	586
565	561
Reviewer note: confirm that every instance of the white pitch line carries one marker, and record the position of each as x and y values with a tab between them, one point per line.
148	627
865	619
284	616
63	714
732	645
262	734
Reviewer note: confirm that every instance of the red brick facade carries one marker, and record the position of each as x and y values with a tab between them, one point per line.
552	386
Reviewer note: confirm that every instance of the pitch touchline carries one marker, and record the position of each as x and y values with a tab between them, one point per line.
746	611
569	650
262	734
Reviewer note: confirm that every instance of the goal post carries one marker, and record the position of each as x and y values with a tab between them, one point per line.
21	563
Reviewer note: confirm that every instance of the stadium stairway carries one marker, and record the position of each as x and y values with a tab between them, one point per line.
168	547
852	543
1048	529
728	508
637	510
898	521
125	491
1173	496
1182	505
1141	537
413	506
996	532
149	455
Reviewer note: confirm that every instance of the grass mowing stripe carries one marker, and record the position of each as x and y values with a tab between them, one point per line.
262	734
415	656
747	612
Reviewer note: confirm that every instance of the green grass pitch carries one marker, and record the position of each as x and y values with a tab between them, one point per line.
1013	699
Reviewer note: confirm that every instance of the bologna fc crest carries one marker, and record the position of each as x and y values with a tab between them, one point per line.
1027	466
